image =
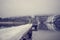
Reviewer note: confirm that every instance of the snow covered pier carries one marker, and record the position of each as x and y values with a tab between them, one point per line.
14	33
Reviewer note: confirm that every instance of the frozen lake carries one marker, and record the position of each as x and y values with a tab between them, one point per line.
45	35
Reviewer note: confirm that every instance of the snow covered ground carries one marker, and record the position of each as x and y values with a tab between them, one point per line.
14	33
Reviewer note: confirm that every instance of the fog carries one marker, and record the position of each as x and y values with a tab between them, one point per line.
9	8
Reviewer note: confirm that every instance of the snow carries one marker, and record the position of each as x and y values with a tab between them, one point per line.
14	33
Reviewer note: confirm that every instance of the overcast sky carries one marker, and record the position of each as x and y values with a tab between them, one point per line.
9	8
